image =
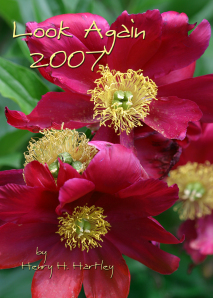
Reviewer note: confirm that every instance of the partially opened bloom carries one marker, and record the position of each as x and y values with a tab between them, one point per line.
87	220
194	177
142	78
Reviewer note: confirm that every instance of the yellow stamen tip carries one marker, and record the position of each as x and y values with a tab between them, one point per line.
83	228
195	182
55	143
127	116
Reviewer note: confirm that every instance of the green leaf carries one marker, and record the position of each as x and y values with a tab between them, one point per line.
10	10
12	160
20	29
12	141
21	85
42	10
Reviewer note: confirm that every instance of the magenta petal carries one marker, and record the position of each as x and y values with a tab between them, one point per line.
178	49
37	174
19	242
187	228
59	281
112	279
12	176
170	116
177	75
25	204
204	240
199	90
120	166
154	196
54	107
133	53
74	189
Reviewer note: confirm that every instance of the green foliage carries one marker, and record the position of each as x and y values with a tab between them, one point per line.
21	85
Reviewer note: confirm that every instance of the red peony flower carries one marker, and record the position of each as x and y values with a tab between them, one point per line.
188	228
88	219
194	176
141	79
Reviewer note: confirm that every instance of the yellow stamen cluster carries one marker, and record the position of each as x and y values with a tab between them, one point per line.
143	89
55	142
195	202
84	228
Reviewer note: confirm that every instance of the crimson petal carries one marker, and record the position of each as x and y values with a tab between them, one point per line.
19	242
146	253
170	116
64	281
106	281
54	107
136	52
120	166
37	174
12	176
74	189
23	204
154	196
199	90
145	228
178	49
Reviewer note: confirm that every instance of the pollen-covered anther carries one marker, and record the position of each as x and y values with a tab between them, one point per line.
195	182
83	228
122	98
68	145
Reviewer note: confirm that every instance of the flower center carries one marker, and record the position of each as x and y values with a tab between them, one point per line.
195	182
193	191
122	98
70	146
83	228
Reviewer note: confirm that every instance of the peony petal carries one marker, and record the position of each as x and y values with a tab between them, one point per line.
63	281
157	154
177	75
170	116
36	174
12	176
120	166
19	243
65	173
107	134
144	228
54	107
133	53
200	150
151	196
77	23
145	252
198	89
74	189
76	79
187	228
178	49
25	204
112	279
204	240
